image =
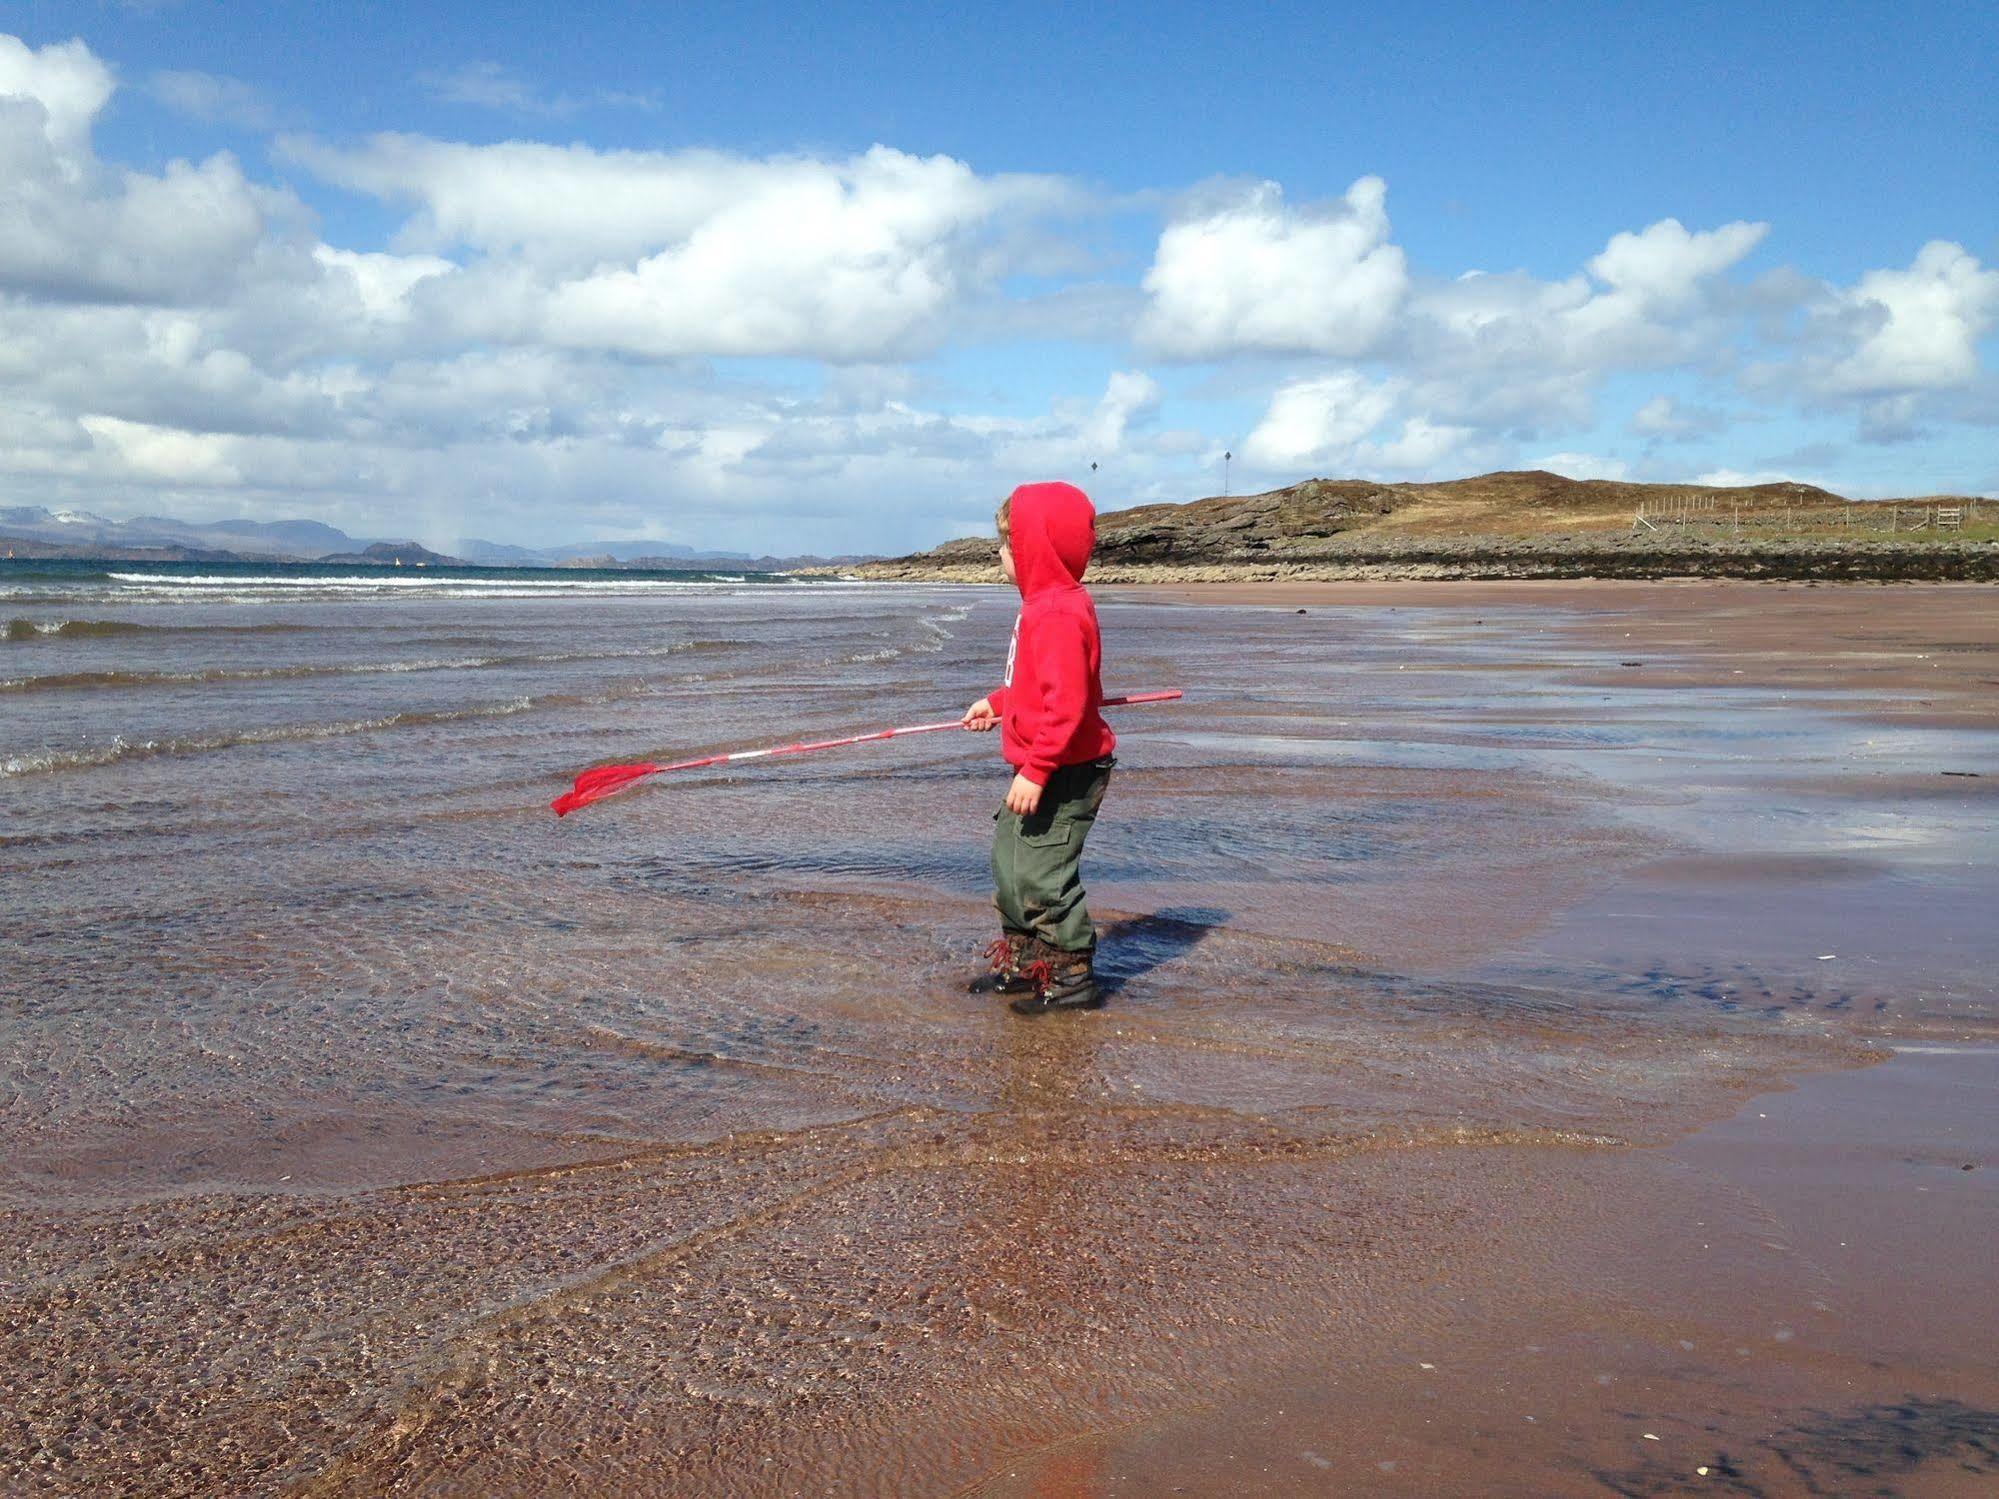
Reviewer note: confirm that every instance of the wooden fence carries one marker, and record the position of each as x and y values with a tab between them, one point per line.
1849	517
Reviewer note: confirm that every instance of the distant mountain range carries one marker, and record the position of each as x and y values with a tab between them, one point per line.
82	530
31	530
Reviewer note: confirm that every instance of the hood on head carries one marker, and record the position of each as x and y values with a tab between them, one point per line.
1054	531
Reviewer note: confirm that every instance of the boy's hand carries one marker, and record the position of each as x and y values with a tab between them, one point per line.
980	716
1022	797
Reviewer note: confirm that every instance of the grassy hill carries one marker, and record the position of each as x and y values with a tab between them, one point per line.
1517	524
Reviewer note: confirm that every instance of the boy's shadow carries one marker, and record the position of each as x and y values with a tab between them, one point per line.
1133	947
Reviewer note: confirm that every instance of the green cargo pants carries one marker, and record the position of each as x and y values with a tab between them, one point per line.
1037	879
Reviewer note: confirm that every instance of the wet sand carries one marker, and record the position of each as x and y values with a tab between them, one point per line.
1783	1303
386	1136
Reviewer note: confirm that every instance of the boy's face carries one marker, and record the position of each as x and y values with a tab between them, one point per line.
1006	559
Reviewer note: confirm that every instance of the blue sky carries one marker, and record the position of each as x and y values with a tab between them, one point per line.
755	276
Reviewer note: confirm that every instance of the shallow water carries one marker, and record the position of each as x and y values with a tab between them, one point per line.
369	1128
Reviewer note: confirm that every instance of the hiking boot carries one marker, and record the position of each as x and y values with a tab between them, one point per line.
1005	956
1061	980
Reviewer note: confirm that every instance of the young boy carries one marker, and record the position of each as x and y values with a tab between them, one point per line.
1060	749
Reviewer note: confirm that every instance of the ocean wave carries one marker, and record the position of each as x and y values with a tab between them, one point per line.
19	629
57	681
269	587
936	629
30	629
933	634
149	589
401	578
46	760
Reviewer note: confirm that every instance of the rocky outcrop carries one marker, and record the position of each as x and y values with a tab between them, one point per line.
393	554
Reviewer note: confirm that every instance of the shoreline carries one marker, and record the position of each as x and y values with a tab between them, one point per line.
1595	557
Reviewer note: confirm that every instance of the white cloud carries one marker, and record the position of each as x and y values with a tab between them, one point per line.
491	85
1583	466
55	93
1667	420
213	99
666	255
1320	420
1645	301
1469	361
163	453
383	283
574	207
131	409
1342	424
1664	265
1916	329
1252	275
1424	447
1733	478
1130	396
71	228
186	235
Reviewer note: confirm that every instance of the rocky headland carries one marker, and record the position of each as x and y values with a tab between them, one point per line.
1529	524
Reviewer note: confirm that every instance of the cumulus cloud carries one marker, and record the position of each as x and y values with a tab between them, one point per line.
53	93
186	235
1662	267
691	253
1466	359
1899	352
1915	329
1317	420
1648	299
1343	423
1253	275
73	229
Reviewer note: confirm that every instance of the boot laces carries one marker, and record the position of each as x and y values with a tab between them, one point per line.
1000	954
1040	973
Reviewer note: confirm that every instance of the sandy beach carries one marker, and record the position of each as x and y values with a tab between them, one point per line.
1552	1050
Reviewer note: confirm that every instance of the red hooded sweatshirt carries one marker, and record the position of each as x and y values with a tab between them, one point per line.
1048	707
